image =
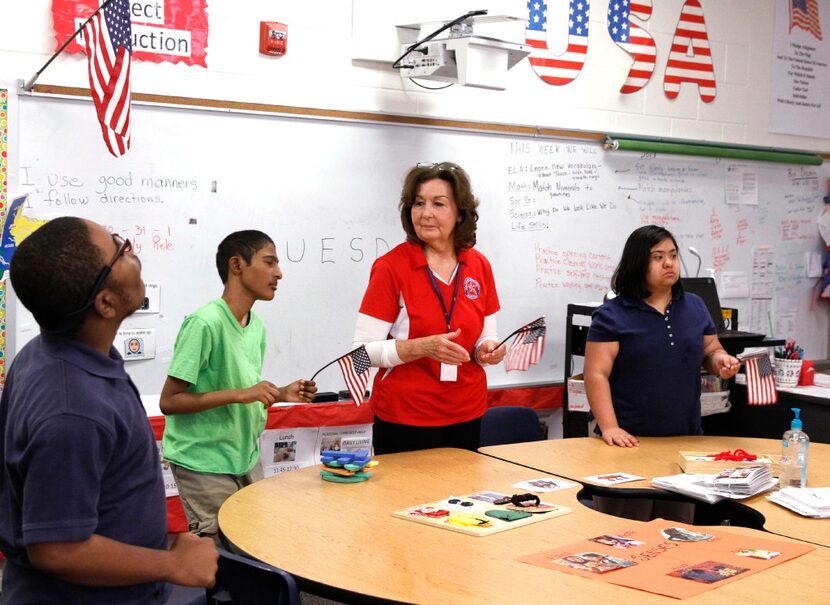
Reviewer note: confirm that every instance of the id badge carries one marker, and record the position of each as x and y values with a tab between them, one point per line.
449	373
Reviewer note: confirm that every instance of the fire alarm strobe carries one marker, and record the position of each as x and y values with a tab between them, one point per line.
273	38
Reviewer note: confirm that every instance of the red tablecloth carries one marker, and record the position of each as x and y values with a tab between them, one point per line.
344	413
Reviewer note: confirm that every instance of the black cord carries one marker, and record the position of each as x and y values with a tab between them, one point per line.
431	87
396	65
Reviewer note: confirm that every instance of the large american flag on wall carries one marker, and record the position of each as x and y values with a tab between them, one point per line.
564	68
804	14
107	37
696	67
633	39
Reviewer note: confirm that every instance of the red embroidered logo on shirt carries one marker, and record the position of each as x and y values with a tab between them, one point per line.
472	288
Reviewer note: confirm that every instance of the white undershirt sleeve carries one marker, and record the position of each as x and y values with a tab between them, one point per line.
373	334
489	331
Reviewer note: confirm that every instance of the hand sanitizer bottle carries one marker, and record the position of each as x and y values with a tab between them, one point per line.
794	454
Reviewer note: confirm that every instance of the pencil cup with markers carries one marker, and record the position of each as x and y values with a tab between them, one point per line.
787	372
788	362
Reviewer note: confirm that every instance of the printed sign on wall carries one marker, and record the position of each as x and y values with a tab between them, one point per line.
136	344
163	30
151	298
288	449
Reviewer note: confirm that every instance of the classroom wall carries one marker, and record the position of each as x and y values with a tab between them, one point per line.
319	69
326	67
553	219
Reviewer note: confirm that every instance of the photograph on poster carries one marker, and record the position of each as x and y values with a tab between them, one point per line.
708	572
285	451
616	541
594	562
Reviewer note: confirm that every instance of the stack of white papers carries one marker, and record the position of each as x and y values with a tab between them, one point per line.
809	501
735	484
822	380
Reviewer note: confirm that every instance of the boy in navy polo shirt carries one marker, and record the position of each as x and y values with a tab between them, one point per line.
84	517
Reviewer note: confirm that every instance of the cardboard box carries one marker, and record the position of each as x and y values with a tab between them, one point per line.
704	462
577	399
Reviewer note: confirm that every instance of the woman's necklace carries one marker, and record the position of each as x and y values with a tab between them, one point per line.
442	266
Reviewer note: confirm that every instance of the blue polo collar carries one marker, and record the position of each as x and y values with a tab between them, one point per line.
638	303
85	357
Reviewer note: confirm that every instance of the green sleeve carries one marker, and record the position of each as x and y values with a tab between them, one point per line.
192	350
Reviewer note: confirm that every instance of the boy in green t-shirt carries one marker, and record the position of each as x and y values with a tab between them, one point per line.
214	399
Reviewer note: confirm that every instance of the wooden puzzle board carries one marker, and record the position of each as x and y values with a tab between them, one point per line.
467	514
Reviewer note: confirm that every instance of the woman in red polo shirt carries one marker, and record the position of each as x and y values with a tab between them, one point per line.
428	319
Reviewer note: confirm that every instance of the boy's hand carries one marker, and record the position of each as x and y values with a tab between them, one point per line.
195	561
301	391
265	392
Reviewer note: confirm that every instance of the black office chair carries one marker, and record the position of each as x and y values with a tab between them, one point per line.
244	581
510	424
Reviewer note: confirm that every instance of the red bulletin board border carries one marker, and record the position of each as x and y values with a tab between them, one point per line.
4	197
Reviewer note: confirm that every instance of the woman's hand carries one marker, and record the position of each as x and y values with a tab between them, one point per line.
726	365
489	352
716	360
617	436
441	348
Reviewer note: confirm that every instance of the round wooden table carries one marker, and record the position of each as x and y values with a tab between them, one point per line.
341	540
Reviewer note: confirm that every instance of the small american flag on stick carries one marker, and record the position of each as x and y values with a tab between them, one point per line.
528	346
760	381
355	367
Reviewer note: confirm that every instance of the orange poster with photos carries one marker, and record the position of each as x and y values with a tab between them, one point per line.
669	558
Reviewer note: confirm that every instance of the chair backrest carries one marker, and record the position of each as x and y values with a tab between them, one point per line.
250	582
510	424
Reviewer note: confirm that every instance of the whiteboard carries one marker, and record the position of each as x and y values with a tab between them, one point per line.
553	218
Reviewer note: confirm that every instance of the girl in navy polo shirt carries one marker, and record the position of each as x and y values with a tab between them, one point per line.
646	346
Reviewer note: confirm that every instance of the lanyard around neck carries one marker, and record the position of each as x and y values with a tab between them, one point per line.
434	283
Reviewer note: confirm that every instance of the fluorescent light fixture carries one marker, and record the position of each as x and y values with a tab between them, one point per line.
713	150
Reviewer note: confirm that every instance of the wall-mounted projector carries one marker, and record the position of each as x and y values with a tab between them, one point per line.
459	56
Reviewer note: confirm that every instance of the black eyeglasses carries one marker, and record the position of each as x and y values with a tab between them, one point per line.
69	320
124	246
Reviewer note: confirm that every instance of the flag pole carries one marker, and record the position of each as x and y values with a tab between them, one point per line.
514	332
31	82
333	361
